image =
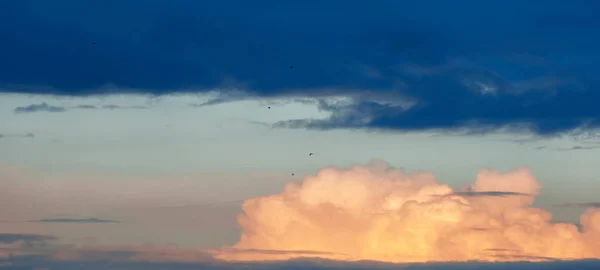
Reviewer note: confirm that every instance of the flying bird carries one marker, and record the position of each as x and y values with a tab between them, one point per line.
291	66
269	107
93	43
292	174
311	154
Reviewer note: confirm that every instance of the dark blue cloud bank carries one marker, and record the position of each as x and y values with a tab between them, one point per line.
37	262
476	64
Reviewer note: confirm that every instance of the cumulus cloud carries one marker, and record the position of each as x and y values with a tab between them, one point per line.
363	213
376	212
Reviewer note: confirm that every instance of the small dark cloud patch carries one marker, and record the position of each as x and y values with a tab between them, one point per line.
111	107
585	136
580	147
27	241
279	252
8	238
514	254
582	205
26	135
118	107
75	220
42	107
485	194
115	255
86	107
458	132
523	257
210	102
259	123
524	140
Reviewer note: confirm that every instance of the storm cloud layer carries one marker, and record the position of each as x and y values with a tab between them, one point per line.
401	65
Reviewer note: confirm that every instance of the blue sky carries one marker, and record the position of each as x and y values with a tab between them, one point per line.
187	108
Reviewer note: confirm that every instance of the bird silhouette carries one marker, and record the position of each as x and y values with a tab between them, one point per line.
93	43
291	66
269	107
311	154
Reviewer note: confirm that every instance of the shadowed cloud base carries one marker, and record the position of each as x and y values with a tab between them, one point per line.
118	262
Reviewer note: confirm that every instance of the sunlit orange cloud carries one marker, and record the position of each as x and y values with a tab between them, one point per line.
376	212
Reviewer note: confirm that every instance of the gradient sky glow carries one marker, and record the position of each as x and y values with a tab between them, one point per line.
182	110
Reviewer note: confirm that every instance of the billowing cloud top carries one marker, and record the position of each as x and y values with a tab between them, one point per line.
376	212
404	65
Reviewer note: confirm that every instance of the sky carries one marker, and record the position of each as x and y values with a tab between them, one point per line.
185	128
